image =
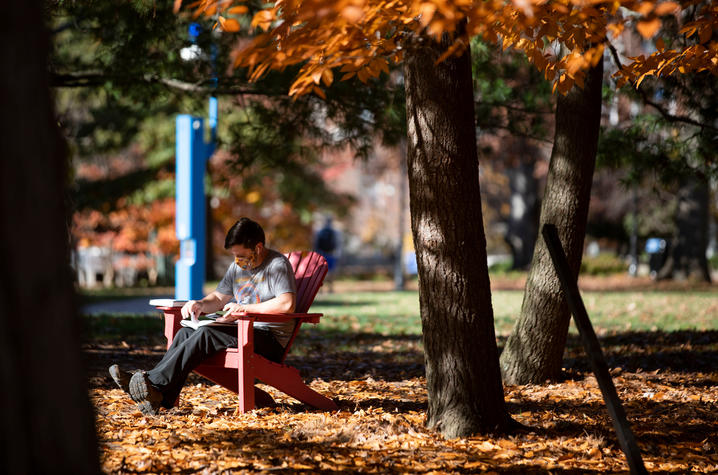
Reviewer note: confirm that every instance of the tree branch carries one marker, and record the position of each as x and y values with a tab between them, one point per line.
513	108
516	133
647	101
512	130
98	78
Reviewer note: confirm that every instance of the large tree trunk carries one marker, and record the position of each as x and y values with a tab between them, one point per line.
534	350
47	421
461	356
687	251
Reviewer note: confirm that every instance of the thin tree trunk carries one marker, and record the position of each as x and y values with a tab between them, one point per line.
209	272
399	278
523	220
47	421
687	253
461	357
534	350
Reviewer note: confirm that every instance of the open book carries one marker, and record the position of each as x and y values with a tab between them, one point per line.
203	320
167	303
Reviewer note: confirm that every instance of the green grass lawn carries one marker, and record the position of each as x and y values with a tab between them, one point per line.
666	310
397	313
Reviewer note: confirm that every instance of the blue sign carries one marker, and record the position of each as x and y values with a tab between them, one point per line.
655	245
410	263
193	31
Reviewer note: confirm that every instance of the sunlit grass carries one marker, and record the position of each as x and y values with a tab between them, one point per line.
651	311
370	312
397	313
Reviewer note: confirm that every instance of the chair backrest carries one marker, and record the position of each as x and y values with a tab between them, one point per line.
309	272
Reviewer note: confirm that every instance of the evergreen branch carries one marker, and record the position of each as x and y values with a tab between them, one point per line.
513	130
518	133
510	107
647	101
98	78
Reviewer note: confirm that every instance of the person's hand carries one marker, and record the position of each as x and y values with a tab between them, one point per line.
192	309
231	308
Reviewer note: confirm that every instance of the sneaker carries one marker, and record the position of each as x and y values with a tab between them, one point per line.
147	397
121	378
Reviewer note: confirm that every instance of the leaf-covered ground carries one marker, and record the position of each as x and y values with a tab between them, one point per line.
668	382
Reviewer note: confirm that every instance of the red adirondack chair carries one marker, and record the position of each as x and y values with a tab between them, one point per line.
237	368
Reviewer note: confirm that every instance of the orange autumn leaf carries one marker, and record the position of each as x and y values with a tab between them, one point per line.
327	77
381	421
358	33
352	13
319	92
667	8
648	28
230	25
210	10
317	75
644	8
263	19
240	10
426	12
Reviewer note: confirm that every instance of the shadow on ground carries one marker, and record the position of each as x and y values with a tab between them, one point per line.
680	351
137	343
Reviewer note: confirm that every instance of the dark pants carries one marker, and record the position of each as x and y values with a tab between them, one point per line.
190	347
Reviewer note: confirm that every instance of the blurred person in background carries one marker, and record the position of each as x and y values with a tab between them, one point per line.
326	243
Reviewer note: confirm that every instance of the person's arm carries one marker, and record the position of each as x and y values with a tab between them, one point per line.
209	304
283	303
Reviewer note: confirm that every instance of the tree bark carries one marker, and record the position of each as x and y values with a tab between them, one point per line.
47	421
687	250
534	350
461	356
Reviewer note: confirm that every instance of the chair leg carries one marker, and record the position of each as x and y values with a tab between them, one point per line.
245	370
309	396
227	377
299	390
287	379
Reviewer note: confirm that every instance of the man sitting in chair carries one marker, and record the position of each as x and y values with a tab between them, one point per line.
259	280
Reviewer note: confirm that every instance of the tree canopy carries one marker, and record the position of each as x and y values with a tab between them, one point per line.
561	38
120	78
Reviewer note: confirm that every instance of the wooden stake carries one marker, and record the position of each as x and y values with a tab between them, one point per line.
593	349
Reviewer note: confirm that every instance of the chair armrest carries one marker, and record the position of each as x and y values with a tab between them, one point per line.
245	323
173	317
279	317
169	309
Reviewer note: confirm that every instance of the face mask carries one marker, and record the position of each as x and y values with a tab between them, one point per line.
245	263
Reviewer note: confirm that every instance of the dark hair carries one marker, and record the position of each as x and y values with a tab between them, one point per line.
244	232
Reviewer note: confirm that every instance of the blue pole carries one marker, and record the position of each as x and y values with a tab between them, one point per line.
213	106
192	153
190	207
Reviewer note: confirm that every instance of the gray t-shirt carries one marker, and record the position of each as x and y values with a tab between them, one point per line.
271	279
